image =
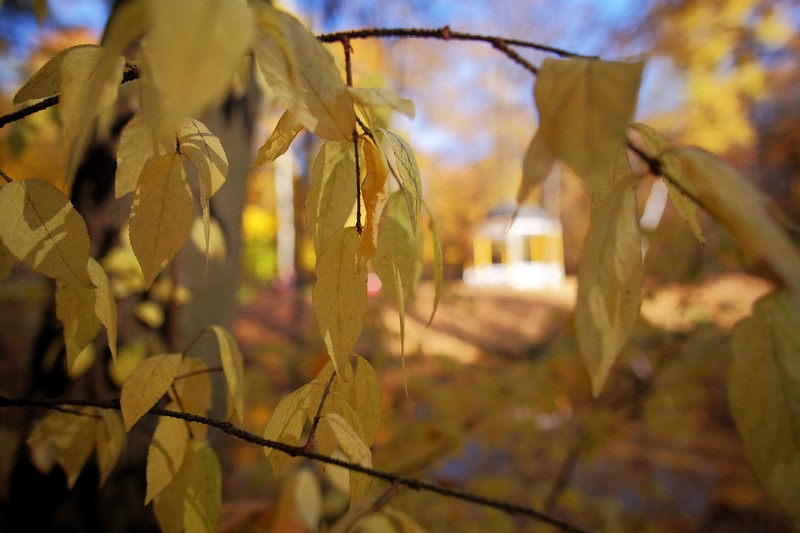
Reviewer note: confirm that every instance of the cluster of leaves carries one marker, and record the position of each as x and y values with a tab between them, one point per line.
585	106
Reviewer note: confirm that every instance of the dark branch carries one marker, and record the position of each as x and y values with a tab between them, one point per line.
294	451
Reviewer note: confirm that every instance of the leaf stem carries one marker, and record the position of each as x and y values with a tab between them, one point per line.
5	176
309	442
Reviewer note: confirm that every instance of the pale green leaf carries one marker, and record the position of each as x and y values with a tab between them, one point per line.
403	165
332	195
364	395
7	261
165	454
374	194
286	424
111	439
137	146
584	107
280	140
192	501
764	395
339	296
192	52
67	437
740	207
303	75
45	82
232	366
161	217
397	244
382	97
661	149
217	249
354	448
146	385
536	166
43	230
438	263
609	276
203	149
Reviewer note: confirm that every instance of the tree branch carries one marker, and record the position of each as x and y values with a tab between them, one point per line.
294	451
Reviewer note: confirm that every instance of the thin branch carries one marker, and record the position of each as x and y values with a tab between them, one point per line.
315	423
5	176
348	69
295	451
198	372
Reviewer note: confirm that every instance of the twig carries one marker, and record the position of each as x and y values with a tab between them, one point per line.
309	442
5	176
295	451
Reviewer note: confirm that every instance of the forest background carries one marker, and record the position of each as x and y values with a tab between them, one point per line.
659	449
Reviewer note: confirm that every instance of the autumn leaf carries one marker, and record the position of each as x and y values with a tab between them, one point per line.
609	276
394	287
280	140
763	380
137	146
286	424
661	149
740	207
192	501
111	439
332	195
146	385
438	263
339	296
374	193
307	496
165	454
204	151
232	366
403	165
161	216
397	245
382	97
354	448
46	81
191	53
43	230
303	75
68	437
584	107
191	389
536	166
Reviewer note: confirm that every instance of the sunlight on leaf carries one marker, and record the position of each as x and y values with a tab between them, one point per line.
332	195
340	295
763	384
146	385
279	141
166	453
42	229
161	216
303	75
403	164
374	194
382	97
45	82
609	276
137	146
584	107
397	245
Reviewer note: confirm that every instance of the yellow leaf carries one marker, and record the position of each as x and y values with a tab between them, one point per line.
192	501
165	454
232	366
609	276
332	195
146	385
42	229
403	523
161	216
192	390
365	398
82	362
192	53
438	263
203	149
382	97
374	194
395	287
45	82
217	250
89	78
7	261
111	440
280	140
403	164
150	313
661	149
307	496
536	166
286	424
303	75
68	437
397	245
137	146
740	207
374	523
354	448
584	107
340	295
763	384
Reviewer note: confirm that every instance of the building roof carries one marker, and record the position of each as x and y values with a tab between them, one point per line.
530	220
